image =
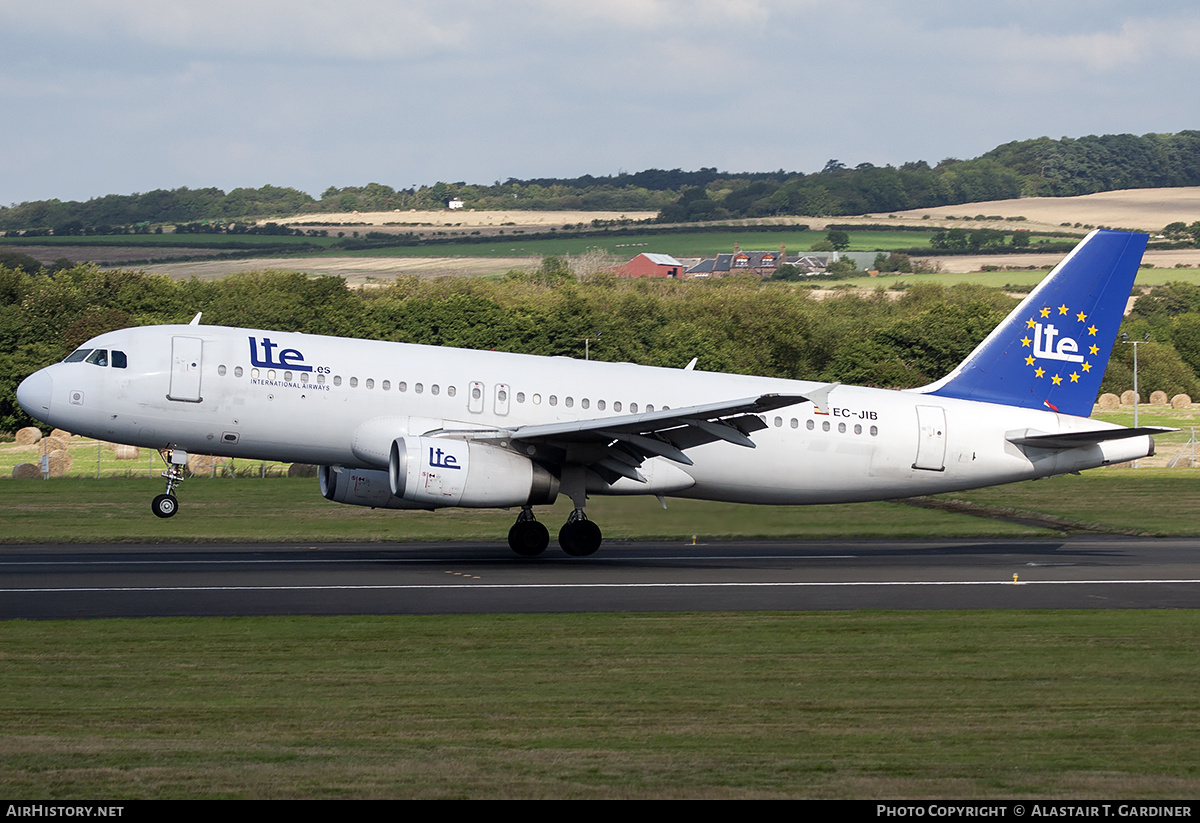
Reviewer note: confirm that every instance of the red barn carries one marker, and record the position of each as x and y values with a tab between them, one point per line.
648	264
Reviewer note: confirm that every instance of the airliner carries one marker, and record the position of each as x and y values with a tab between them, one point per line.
402	426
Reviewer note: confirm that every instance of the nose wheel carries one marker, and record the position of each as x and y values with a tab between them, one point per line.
165	505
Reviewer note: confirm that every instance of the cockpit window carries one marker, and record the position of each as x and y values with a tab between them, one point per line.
98	357
119	361
77	355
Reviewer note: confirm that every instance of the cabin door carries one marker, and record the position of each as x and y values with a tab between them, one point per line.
931	438
186	362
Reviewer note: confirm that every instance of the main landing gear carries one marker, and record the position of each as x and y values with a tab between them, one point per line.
578	537
165	505
528	537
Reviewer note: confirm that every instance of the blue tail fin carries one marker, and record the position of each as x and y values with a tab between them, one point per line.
1051	351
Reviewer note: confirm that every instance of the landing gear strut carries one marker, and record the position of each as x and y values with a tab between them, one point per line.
579	536
165	505
528	537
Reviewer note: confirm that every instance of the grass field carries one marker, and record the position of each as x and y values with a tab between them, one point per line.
850	705
1001	279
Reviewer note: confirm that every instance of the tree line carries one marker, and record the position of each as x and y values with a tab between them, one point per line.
1041	166
735	324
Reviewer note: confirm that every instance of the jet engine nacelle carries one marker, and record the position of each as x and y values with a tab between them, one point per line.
435	472
362	487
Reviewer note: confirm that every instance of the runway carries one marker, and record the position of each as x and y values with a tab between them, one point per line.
77	581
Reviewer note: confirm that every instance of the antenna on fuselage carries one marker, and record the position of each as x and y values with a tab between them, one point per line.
196	319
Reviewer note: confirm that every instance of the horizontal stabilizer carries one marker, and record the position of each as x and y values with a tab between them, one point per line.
1073	440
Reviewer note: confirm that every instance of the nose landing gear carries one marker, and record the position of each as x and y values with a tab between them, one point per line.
165	505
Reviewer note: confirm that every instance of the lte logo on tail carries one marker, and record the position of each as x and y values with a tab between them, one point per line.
286	359
1043	345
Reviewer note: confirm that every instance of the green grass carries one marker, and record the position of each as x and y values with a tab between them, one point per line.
1031	705
1000	279
291	509
189	240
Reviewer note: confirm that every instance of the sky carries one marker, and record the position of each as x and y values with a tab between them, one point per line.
120	96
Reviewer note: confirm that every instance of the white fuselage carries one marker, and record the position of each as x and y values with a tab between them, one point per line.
333	401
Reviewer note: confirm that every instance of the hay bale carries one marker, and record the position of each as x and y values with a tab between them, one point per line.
1180	401
123	452
25	471
1158	398
62	434
53	444
302	470
1108	400
60	462
205	464
1128	398
28	436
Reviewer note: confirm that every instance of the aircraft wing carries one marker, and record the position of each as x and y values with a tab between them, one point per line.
1073	440
614	447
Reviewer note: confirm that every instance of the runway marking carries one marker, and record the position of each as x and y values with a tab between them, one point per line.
395	560
434	587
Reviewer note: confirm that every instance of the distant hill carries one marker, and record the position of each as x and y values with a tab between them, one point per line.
1042	166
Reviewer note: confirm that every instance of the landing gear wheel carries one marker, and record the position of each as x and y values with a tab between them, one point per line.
165	505
528	538
579	538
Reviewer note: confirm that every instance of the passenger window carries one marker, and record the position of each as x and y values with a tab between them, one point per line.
841	428
403	386
337	380
287	377
119	361
600	405
451	391
537	400
616	405
810	425
520	397
633	408
553	400
418	388
434	389
354	382
220	369
237	371
824	425
778	422
569	402
874	431
387	385
795	423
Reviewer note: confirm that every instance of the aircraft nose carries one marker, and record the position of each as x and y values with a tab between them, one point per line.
34	394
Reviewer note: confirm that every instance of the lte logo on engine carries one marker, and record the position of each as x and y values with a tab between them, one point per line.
442	460
285	359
